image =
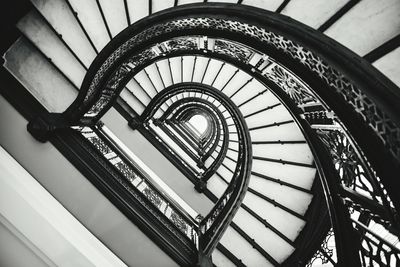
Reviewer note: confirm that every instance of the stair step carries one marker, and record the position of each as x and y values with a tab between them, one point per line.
370	16
160	5
277	114
155	78
317	12
290	152
39	76
89	14
212	71
264	100
35	28
239	246
271	5
238	82
68	27
295	200
296	175
188	63
281	220
176	69
220	260
184	2
250	90
199	69
283	132
278	248
132	101
226	73
139	93
115	15
388	65
165	72
137	9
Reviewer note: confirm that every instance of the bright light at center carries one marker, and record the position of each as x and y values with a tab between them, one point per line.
199	122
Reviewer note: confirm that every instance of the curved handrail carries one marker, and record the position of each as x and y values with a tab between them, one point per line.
215	223
215	134
176	89
342	80
187	19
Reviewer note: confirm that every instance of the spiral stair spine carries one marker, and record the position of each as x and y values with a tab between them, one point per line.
282	160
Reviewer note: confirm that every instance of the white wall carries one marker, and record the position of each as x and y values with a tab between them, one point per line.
66	184
45	228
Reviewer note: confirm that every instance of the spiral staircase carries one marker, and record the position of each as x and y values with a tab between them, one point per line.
230	134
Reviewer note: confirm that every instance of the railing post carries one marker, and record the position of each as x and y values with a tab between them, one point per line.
202	259
346	239
43	126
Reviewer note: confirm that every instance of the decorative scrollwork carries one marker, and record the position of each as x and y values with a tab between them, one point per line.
293	88
135	179
375	250
184	43
238	52
326	253
377	119
354	170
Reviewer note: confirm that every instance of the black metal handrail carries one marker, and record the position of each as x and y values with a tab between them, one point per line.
336	78
214	224
173	90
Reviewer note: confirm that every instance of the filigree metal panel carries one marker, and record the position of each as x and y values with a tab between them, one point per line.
377	119
230	49
326	254
292	87
135	179
351	164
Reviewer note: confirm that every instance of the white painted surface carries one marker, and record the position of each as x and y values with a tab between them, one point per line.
223	1
291	152
58	14
220	260
65	183
39	77
291	198
389	65
90	17
160	5
270	5
38	32
184	2
17	250
283	221
236	244
45	222
367	25
312	12
278	248
114	12
137	9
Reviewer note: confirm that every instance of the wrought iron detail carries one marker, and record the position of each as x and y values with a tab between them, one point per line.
326	253
355	173
143	186
377	119
354	170
291	85
239	52
375	250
